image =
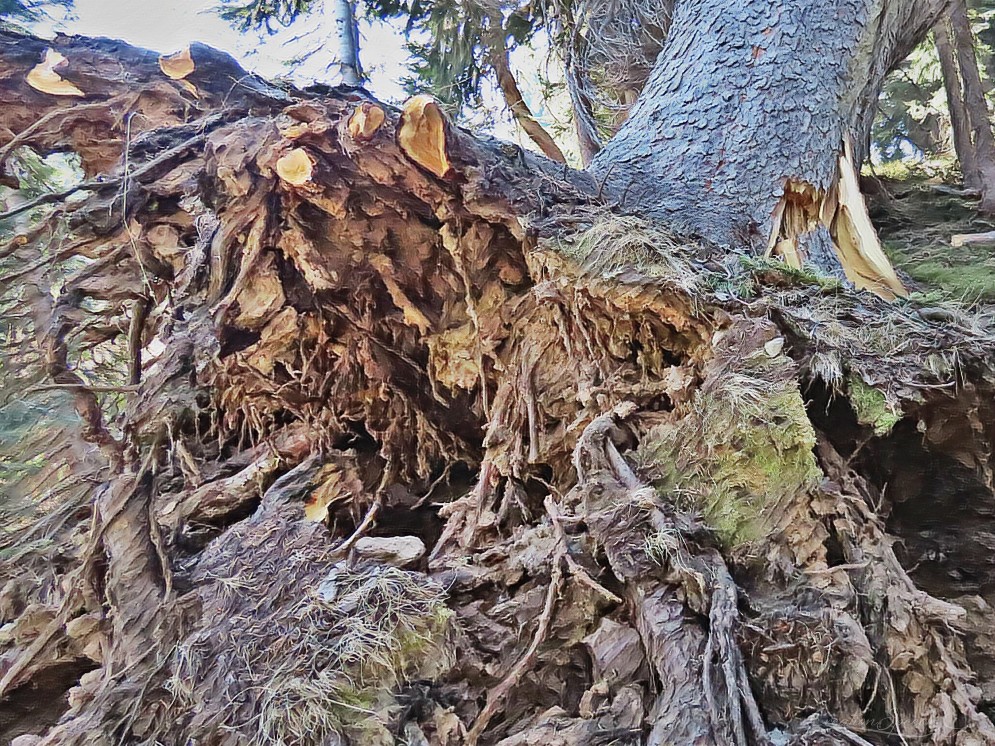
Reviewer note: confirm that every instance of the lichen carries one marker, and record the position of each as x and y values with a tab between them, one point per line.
871	406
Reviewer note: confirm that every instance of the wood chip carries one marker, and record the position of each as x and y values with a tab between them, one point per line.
44	78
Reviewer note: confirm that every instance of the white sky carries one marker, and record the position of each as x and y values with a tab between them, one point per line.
169	25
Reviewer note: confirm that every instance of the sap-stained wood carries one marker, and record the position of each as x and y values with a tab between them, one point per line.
295	167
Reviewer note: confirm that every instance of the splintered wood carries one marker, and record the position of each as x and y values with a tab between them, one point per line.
422	134
861	255
797	214
805	210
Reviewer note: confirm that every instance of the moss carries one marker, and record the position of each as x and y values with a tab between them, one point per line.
759	266
907	170
871	406
763	459
970	277
915	223
417	644
744	445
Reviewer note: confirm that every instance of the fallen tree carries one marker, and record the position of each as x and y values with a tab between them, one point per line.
421	438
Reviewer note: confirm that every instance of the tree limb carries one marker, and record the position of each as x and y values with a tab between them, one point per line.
500	61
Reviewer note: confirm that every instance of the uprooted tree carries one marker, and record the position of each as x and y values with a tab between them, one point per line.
420	438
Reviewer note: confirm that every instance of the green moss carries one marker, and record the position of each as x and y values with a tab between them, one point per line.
745	445
970	277
907	170
417	644
763	459
915	223
764	265
871	406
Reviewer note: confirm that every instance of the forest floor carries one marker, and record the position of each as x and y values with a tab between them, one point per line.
916	211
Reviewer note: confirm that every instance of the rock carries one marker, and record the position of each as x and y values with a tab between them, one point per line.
773	347
399	551
414	736
86	630
89	685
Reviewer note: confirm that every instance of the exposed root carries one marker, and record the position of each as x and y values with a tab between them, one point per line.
496	696
360	325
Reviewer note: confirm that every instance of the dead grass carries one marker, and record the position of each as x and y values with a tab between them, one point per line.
614	245
327	665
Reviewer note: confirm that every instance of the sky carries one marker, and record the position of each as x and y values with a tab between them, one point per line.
169	25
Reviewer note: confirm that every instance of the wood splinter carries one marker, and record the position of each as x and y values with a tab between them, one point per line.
841	211
365	121
44	78
295	167
422	134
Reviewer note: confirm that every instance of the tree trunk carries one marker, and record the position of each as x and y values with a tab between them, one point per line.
345	36
497	54
960	123
742	132
969	114
429	445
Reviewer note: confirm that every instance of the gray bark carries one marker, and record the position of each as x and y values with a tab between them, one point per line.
746	95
